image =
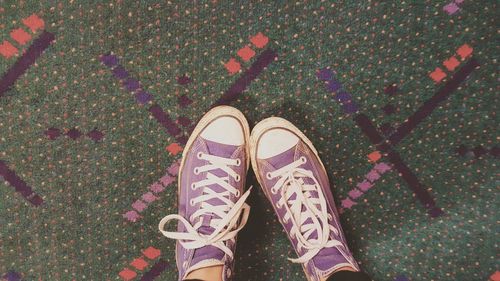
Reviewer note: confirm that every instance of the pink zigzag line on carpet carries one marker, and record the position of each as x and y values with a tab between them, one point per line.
154	189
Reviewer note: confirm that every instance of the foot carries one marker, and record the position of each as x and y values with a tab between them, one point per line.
294	180
212	206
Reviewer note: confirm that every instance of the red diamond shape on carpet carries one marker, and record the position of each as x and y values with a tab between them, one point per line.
259	40
7	49
139	263
464	51
151	253
437	75
127	274
174	148
246	53
22	37
232	66
451	63
374	156
34	22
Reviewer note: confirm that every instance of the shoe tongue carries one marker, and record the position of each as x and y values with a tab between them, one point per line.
220	149
284	158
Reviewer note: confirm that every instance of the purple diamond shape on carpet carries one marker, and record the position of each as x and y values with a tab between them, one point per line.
365	185
462	150
156	187
95	135
435	212
12	276
333	86
183	80
184	121
184	101
139	205
131	84
495	151
479	151
350	107
343	96
451	8
148	197
354	194
131	216
52	133
389	109
120	73
391	89
143	97
109	60
401	278
325	74
74	133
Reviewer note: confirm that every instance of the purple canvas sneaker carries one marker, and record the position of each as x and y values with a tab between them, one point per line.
294	180
212	206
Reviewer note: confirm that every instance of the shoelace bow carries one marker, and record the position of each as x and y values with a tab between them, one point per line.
227	219
307	214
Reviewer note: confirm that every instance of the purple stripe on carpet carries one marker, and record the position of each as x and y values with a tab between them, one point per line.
25	61
164	119
426	109
264	59
19	185
411	179
155	271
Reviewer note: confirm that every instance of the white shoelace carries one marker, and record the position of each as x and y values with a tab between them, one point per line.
227	219
304	207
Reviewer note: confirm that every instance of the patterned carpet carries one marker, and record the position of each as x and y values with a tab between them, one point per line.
97	99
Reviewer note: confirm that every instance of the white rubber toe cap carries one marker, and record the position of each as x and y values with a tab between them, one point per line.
274	142
225	130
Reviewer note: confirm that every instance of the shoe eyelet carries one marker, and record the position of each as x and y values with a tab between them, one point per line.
330	217
268	176
191	202
238	162
238	193
199	155
303	159
237	178
196	171
193	186
274	191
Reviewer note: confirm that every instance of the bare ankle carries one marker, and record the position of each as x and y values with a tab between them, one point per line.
345	268
211	273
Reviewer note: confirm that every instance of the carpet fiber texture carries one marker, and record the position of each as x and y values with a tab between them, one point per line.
97	99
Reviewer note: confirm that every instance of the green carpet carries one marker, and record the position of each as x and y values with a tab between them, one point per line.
83	147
